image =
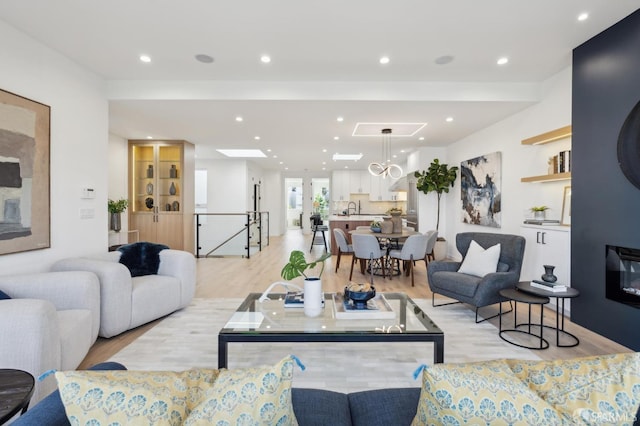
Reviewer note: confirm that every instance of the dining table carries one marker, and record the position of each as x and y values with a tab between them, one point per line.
391	241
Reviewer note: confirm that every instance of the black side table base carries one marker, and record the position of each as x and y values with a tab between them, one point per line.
544	344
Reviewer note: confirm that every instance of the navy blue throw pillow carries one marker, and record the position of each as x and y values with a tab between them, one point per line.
4	295
141	258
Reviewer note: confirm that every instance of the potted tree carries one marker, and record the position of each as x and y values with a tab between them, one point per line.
437	178
295	268
115	209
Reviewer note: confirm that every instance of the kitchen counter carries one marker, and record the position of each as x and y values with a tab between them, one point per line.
357	217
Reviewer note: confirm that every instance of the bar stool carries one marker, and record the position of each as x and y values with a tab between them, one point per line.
317	226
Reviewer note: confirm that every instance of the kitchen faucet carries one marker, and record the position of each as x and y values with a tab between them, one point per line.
355	209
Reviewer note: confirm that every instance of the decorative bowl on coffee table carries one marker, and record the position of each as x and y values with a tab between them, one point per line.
359	298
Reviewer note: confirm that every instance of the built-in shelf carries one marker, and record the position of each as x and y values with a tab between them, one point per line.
547	178
552	136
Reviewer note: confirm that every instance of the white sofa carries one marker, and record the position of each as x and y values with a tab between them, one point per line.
127	302
50	322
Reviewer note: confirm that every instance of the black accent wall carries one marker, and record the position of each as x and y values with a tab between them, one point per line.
605	205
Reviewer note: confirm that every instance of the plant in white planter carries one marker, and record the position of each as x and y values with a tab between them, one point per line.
539	212
437	178
312	285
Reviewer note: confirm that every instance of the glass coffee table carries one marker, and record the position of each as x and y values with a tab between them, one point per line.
270	321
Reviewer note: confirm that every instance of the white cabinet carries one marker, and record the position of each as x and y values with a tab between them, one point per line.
380	189
359	182
340	185
547	246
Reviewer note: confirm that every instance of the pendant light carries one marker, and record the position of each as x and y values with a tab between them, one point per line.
385	167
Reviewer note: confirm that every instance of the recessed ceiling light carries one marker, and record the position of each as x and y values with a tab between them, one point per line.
503	61
443	60
205	59
282	162
583	16
256	138
449	119
324	150
145	58
253	153
265	59
421	138
149	137
335	138
340	119
239	119
286	168
346	157
384	60
324	168
324	162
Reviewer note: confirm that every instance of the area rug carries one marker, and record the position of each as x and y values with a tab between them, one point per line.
189	338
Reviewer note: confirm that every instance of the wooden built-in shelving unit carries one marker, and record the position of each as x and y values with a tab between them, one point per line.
551	136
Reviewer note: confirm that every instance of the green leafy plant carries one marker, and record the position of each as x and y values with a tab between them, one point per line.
298	264
437	178
539	208
117	206
376	224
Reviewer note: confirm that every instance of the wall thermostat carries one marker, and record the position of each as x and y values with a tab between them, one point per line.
88	193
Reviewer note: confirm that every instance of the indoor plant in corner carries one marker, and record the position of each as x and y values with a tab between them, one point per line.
115	209
437	178
312	285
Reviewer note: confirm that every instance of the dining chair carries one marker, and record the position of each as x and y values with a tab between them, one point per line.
366	248
432	237
343	245
413	249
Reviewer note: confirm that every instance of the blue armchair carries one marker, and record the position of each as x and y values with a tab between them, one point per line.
479	292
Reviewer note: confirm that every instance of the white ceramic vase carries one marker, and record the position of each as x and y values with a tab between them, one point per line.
312	297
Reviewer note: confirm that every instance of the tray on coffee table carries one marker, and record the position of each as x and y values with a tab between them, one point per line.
377	308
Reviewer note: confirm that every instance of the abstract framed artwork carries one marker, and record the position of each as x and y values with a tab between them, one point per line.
566	207
481	190
24	174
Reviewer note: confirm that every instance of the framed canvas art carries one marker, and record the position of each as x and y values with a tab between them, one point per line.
566	206
24	174
481	186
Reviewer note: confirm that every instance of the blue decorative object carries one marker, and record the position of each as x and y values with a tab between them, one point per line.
376	229
359	298
141	258
4	296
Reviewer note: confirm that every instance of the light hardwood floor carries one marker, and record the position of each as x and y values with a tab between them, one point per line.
236	277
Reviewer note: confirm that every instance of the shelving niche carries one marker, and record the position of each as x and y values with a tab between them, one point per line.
544	138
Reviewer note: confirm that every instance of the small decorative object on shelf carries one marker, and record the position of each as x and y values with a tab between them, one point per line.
548	274
149	188
148	202
172	189
173	172
539	212
176	206
150	171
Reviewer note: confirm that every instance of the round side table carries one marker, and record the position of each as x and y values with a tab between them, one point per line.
522	297
16	388
560	296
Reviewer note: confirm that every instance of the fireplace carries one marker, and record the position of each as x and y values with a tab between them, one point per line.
623	275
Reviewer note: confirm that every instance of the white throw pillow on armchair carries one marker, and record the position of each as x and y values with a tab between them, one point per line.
480	262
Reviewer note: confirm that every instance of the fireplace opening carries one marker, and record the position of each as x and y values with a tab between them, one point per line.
623	275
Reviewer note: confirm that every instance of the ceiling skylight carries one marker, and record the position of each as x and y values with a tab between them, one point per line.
346	157
242	153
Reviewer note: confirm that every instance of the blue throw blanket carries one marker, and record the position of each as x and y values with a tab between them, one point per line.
141	258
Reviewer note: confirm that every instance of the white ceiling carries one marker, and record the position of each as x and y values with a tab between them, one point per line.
324	65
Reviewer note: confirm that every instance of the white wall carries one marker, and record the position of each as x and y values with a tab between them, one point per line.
554	111
79	128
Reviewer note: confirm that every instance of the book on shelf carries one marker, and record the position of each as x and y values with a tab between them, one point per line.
542	222
295	299
553	287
